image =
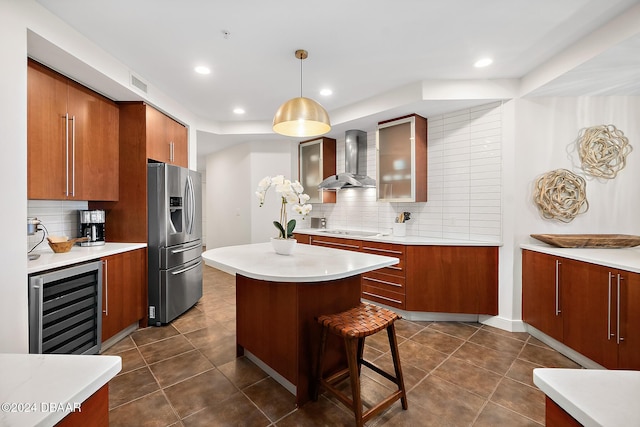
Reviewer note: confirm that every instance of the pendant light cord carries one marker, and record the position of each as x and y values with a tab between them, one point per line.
301	59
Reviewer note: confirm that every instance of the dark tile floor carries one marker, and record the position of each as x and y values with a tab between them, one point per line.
456	374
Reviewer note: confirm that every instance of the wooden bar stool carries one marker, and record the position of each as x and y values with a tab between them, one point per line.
354	325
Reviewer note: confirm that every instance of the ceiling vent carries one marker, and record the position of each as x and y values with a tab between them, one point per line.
138	83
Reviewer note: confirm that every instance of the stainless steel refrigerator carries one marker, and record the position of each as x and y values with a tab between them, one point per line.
175	241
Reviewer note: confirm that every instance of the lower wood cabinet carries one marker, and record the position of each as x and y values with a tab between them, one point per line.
445	279
124	291
337	243
541	297
302	238
93	412
452	279
593	309
386	285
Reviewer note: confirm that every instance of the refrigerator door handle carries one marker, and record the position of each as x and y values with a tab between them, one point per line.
184	270
190	205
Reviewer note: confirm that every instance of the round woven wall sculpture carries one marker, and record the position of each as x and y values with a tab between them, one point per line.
603	150
561	195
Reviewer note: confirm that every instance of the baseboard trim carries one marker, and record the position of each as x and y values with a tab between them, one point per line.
563	349
503	323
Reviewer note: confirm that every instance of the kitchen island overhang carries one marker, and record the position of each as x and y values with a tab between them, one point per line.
278	298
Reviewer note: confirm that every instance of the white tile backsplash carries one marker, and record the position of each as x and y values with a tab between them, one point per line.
464	182
59	217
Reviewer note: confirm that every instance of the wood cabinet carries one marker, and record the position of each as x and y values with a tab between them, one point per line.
166	139
541	297
140	125
337	243
317	161
386	285
302	238
124	291
72	139
94	411
401	147
446	279
598	308
452	279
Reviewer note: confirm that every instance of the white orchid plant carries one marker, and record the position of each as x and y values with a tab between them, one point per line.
290	193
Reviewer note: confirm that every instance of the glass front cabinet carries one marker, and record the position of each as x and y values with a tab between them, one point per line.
401	147
317	161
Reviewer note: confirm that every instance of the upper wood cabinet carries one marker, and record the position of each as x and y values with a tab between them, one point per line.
317	161
72	139
401	146
166	139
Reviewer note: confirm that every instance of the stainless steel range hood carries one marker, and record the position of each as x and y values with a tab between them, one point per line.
355	164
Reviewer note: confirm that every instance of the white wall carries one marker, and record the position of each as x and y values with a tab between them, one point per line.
545	133
13	173
233	213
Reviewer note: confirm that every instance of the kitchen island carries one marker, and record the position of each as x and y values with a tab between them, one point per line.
278	297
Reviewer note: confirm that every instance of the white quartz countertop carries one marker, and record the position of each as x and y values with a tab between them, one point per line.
402	240
49	260
594	397
627	259
36	388
306	264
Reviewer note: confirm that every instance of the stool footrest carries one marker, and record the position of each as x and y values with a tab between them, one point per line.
379	371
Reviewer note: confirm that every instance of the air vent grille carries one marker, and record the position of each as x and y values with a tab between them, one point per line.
137	82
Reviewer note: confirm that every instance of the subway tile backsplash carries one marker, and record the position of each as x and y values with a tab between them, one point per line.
464	182
60	217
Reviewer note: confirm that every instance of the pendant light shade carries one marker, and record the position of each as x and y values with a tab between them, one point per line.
301	116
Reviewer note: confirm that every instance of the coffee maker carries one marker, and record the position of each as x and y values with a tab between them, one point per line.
92	227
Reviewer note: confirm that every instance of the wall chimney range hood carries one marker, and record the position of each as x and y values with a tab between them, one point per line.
355	165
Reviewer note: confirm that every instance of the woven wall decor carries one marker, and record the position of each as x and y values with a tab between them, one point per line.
561	194
603	150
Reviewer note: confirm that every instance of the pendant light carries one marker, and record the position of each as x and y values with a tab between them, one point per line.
301	116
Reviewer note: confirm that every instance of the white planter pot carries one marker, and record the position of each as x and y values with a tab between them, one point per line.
283	246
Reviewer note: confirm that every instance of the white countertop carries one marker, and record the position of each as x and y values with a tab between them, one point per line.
402	240
627	259
307	263
594	397
36	382
49	259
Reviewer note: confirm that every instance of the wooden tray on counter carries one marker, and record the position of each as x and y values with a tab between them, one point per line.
589	240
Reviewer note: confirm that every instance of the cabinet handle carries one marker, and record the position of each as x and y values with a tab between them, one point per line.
73	156
382	281
389	251
106	287
381	297
609	334
619	338
66	157
558	311
344	245
171	151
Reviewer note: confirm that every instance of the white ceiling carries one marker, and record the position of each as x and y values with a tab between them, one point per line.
365	50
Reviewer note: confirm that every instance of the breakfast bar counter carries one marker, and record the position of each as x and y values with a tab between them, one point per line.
278	298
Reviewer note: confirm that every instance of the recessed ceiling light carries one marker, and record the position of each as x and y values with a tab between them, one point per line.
238	110
326	92
484	62
201	69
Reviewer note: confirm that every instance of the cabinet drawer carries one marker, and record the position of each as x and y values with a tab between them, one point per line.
382	295
336	243
391	250
302	238
385	281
